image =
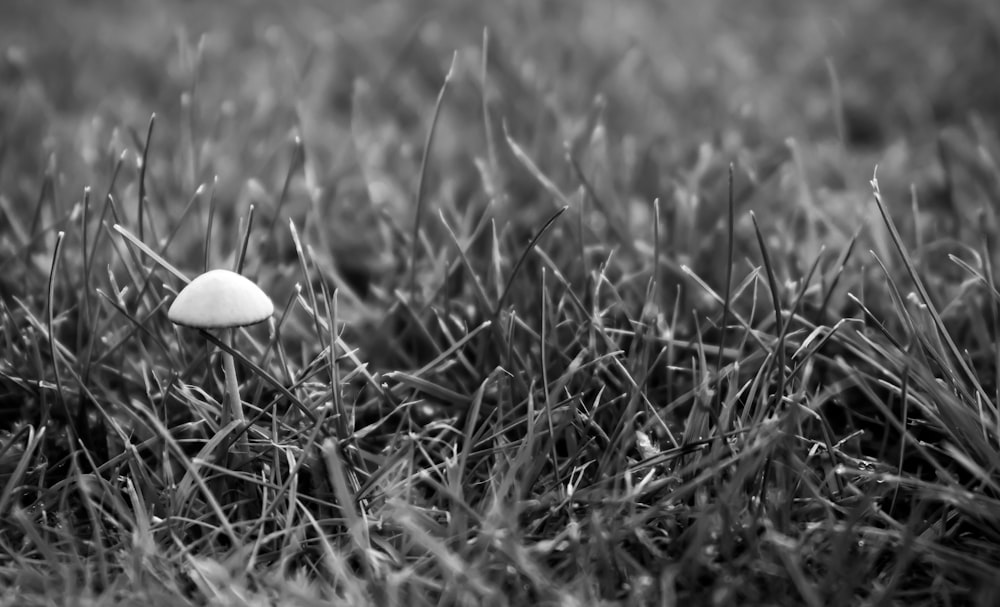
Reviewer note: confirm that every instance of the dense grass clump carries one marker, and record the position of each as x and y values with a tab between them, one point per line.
575	305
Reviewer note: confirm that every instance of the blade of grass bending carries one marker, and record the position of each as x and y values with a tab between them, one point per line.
524	255
751	279
298	157
43	331
99	545
918	238
548	393
827	335
457	480
618	227
800	296
44	193
108	200
206	252
293	470
696	426
491	143
417	324
479	291
350	354
994	315
485	220
980	276
198	191
303	263
340	412
570	293
445	355
334	564
19	231
14	481
865	383
791	559
532	168
877	324
912	333
840	264
141	203
525	453
346	499
496	260
11	440
452	565
772	284
146	283
986	278
33	537
510	357
138	325
192	476
386	468
137	243
244	241
654	283
141	520
422	181
905	554
428	387
89	258
450	336
85	295
727	294
138	272
581	252
923	294
904	422
948	179
838	106
986	478
49	323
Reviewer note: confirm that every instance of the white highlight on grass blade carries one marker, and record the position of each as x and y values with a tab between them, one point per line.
422	181
537	173
150	253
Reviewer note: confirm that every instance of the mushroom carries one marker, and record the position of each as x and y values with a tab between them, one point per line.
220	299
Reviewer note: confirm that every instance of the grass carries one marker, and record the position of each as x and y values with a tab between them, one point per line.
614	310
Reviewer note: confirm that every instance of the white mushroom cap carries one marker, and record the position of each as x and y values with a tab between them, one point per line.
220	299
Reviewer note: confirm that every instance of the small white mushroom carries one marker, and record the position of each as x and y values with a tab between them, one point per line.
220	299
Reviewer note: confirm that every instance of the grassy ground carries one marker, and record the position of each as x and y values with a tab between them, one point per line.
610	311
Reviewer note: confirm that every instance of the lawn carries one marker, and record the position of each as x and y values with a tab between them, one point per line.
575	303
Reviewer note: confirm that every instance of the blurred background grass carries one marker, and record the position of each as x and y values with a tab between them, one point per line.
861	84
902	65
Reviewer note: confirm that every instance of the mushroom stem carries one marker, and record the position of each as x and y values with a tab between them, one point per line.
233	409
